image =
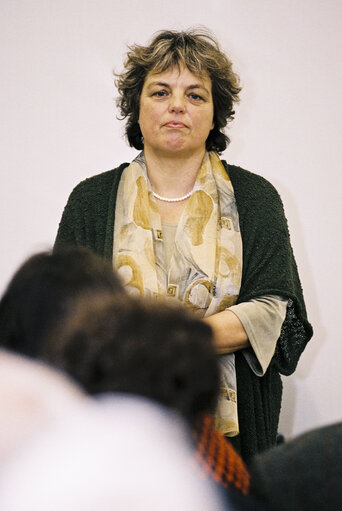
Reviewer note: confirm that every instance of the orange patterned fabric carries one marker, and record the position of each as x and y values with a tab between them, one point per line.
219	458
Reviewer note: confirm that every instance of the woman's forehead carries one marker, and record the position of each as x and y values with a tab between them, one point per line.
175	72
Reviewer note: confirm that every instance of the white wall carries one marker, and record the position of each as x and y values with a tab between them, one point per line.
58	126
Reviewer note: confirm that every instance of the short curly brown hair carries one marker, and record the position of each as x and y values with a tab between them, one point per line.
201	54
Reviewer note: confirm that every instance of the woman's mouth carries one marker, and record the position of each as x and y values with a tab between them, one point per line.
175	124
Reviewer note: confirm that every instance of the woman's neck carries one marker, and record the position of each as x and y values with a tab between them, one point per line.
172	176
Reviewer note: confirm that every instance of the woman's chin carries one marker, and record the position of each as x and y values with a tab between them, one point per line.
177	148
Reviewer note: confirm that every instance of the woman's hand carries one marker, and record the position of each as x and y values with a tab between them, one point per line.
229	334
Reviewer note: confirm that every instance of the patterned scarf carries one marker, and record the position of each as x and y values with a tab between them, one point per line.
206	265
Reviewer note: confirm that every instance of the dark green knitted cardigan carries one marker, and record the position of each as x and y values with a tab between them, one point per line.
269	267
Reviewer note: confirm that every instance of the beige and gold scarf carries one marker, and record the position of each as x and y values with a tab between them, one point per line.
205	268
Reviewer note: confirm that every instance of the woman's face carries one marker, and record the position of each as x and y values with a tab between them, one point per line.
176	112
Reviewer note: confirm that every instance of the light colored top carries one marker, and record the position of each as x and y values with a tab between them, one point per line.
262	317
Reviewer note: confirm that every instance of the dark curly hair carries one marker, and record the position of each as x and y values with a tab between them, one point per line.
43	291
200	53
149	349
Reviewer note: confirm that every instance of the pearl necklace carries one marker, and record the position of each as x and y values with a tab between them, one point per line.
176	199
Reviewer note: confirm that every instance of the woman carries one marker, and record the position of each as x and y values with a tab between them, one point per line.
181	223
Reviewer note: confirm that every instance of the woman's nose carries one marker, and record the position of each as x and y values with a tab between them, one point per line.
177	104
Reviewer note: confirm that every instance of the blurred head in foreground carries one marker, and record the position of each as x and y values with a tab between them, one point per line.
143	348
43	291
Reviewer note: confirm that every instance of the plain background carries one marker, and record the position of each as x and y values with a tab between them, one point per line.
58	126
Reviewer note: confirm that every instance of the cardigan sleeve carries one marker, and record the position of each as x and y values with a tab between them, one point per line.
71	230
269	266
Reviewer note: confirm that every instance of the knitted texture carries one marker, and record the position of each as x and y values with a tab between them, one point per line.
269	267
219	458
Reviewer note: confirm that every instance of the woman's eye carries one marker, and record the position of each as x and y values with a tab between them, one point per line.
160	93
195	97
